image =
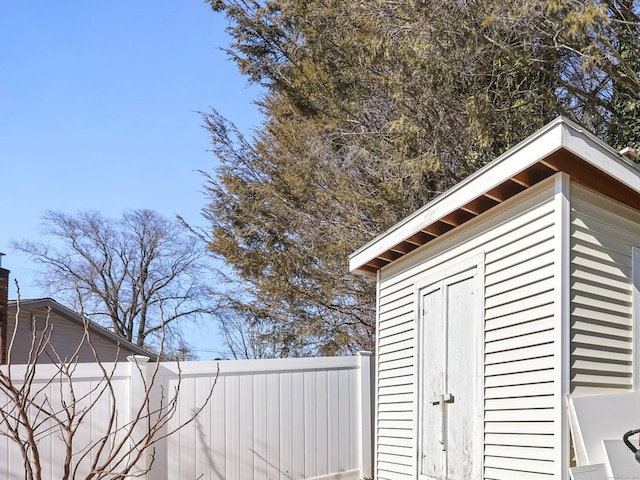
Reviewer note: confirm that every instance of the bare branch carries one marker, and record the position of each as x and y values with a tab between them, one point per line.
56	403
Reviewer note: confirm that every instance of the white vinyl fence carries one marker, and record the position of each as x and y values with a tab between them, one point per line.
281	419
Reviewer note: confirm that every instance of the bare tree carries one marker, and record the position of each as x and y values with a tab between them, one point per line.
49	413
121	269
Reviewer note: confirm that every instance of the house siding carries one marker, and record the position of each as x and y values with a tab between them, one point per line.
517	241
603	234
65	339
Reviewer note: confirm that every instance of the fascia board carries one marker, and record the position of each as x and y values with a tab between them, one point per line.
592	150
526	153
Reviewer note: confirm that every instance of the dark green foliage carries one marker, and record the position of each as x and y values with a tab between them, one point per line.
371	109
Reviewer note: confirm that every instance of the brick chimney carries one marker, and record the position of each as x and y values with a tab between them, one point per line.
4	313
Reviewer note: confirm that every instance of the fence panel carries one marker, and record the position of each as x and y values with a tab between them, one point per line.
51	393
280	419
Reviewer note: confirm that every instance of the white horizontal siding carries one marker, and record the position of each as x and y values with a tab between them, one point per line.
395	385
517	241
603	233
520	332
508	474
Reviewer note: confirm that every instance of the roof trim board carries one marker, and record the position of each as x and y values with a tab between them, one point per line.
559	146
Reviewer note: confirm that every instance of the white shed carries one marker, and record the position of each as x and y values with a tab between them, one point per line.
499	298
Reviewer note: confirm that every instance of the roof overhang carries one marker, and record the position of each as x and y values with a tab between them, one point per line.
560	146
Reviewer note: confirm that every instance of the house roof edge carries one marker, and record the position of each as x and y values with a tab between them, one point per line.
75	317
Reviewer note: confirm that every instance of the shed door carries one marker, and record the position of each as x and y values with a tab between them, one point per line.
448	364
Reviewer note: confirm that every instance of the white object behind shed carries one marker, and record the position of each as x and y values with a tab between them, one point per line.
598	423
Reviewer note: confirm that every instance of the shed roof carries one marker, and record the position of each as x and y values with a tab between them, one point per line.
29	305
560	146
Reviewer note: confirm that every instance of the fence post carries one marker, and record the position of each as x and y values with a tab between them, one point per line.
138	396
366	412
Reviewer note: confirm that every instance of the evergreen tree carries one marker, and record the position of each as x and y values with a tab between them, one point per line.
372	109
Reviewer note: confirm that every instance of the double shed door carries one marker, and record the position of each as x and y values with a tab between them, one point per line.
449	346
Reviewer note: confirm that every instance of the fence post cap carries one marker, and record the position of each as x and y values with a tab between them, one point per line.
138	358
365	353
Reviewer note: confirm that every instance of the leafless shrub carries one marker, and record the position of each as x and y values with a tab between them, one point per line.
92	429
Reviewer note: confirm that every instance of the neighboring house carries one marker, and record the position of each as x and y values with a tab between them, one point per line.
506	293
67	334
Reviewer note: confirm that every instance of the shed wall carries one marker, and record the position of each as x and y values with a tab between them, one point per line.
517	241
603	234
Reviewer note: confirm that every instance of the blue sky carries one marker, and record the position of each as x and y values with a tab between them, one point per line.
98	105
